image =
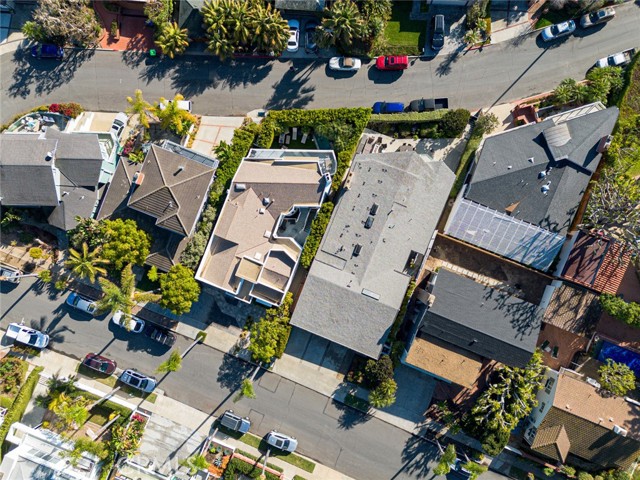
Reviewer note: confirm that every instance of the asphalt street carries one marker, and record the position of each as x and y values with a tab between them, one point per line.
342	438
101	80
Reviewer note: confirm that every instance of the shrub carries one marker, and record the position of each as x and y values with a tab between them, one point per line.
465	160
454	122
12	371
549	471
408	117
628	312
69	109
384	395
487	123
585	476
36	253
617	378
403	310
237	466
377	371
494	442
15	412
318	227
114	28
568	470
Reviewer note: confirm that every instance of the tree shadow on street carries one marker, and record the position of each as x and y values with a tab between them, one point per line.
232	372
291	91
445	66
51	327
43	76
417	455
349	416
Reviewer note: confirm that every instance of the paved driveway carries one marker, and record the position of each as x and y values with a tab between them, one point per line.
455	28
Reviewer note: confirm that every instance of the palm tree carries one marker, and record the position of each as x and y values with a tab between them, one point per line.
195	463
172	39
472	37
224	151
123	297
70	411
344	22
377	9
139	106
172	117
86	264
270	30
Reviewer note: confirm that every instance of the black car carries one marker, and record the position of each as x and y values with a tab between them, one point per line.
310	44
162	335
428	104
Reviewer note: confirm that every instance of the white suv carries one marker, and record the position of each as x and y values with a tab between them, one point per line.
28	336
83	304
132	324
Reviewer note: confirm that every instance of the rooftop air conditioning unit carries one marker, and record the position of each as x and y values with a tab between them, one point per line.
593	382
240	187
619	430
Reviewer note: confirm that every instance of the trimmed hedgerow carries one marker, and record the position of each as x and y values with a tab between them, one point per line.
237	466
413	117
318	228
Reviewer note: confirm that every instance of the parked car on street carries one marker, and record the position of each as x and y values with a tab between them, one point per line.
294	36
162	335
138	380
81	303
558	30
27	336
617	59
10	274
282	441
99	363
599	16
345	64
117	127
182	104
234	422
310	44
428	104
390	107
437	40
132	324
46	50
392	62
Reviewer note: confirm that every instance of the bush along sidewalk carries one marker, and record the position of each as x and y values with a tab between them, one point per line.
19	405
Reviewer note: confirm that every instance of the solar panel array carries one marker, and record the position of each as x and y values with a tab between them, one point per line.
507	236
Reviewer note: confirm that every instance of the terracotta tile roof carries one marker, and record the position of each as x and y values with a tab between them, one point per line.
595	262
575	310
552	442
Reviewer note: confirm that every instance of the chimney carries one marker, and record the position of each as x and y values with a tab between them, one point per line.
49	156
138	178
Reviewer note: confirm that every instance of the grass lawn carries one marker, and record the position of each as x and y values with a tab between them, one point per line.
356	403
404	36
5	401
556	16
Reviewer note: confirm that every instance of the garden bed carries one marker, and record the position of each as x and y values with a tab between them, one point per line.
12	374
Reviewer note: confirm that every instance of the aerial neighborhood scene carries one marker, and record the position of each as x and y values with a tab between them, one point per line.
319	239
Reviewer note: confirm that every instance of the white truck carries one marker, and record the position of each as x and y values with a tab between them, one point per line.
617	59
27	336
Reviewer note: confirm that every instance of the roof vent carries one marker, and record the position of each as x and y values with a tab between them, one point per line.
240	187
531	159
266	201
267	233
542	174
64	194
138	178
180	168
49	156
619	430
347	182
545	187
509	167
261	211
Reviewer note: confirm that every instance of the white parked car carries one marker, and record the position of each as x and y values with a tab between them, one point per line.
81	303
294	36
282	441
138	380
558	30
182	104
27	336
132	324
117	127
345	64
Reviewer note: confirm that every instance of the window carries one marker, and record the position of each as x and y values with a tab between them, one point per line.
549	384
542	405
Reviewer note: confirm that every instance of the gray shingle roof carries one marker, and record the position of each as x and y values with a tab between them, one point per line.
353	300
488	322
78	157
508	170
26	177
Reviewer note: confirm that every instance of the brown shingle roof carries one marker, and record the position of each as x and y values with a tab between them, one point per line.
552	442
596	262
575	310
173	191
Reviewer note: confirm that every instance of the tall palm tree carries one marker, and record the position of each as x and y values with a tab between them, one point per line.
86	264
123	297
344	22
270	30
224	151
139	106
172	39
172	117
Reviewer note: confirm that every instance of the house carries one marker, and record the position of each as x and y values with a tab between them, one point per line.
468	324
576	423
256	244
570	318
165	195
62	173
39	453
528	182
373	246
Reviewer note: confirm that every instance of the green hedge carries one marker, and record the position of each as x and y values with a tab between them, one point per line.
627	312
279	120
467	156
14	414
243	138
236	466
253	457
414	117
318	228
403	310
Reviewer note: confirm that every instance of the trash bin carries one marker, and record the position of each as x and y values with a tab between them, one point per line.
153	52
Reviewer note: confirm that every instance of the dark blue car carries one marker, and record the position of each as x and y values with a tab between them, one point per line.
45	50
391	107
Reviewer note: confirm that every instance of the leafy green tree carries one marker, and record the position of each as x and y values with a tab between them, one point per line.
139	106
617	378
568	470
86	264
70	411
153	274
88	231
454	122
384	395
446	461
172	117
377	371
341	25
628	312
36	253
487	123
82	445
125	243
179	289
473	36
171	364
195	463
172	39
64	21
585	476
45	276
158	11
247	389
475	468
269	335
124	296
